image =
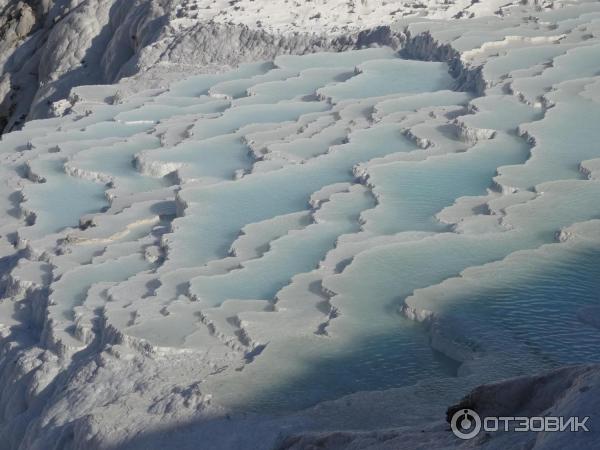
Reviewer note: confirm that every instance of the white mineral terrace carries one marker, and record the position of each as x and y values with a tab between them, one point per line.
346	240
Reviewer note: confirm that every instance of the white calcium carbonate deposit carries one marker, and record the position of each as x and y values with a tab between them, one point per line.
297	224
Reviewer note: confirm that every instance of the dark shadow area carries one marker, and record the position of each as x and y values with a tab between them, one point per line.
555	291
24	63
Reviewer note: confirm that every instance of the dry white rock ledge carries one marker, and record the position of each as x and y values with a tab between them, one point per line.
50	46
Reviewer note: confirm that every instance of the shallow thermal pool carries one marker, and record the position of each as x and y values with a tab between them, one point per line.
297	215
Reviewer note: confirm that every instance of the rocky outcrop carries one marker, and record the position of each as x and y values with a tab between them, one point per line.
567	392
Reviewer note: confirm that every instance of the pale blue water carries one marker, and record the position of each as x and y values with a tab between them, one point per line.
312	146
558	153
407	203
200	84
366	344
237	117
328	60
71	290
53	201
214	158
537	306
383	77
369	345
96	131
157	112
305	84
262	278
396	356
237	88
227	207
116	161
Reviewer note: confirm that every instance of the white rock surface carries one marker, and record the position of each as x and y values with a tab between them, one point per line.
143	311
52	45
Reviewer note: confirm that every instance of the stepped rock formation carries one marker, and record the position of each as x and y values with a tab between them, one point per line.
223	231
